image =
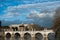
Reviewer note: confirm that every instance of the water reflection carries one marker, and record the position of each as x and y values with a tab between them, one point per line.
27	36
8	36
17	36
2	38
38	36
51	36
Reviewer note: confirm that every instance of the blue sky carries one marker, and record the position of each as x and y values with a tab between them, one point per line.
28	11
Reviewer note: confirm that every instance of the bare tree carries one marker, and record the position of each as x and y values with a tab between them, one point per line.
56	21
56	25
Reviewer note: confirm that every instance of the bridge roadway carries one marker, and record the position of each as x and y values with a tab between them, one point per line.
44	33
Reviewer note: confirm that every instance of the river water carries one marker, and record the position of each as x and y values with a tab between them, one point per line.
24	39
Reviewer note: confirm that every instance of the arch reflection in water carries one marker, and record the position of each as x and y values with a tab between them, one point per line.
38	36
27	36
51	36
17	36
8	36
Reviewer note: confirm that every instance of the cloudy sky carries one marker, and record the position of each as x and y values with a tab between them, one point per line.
28	11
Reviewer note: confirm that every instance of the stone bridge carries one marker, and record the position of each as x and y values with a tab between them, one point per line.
44	34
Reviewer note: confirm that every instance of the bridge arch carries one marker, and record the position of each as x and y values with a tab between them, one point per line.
51	36
38	36
27	36
8	35
17	36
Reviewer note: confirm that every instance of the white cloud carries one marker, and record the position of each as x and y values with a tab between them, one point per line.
41	18
35	14
17	11
11	15
43	15
38	5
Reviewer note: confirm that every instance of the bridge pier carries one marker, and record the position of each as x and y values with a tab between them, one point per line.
22	37
32	37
